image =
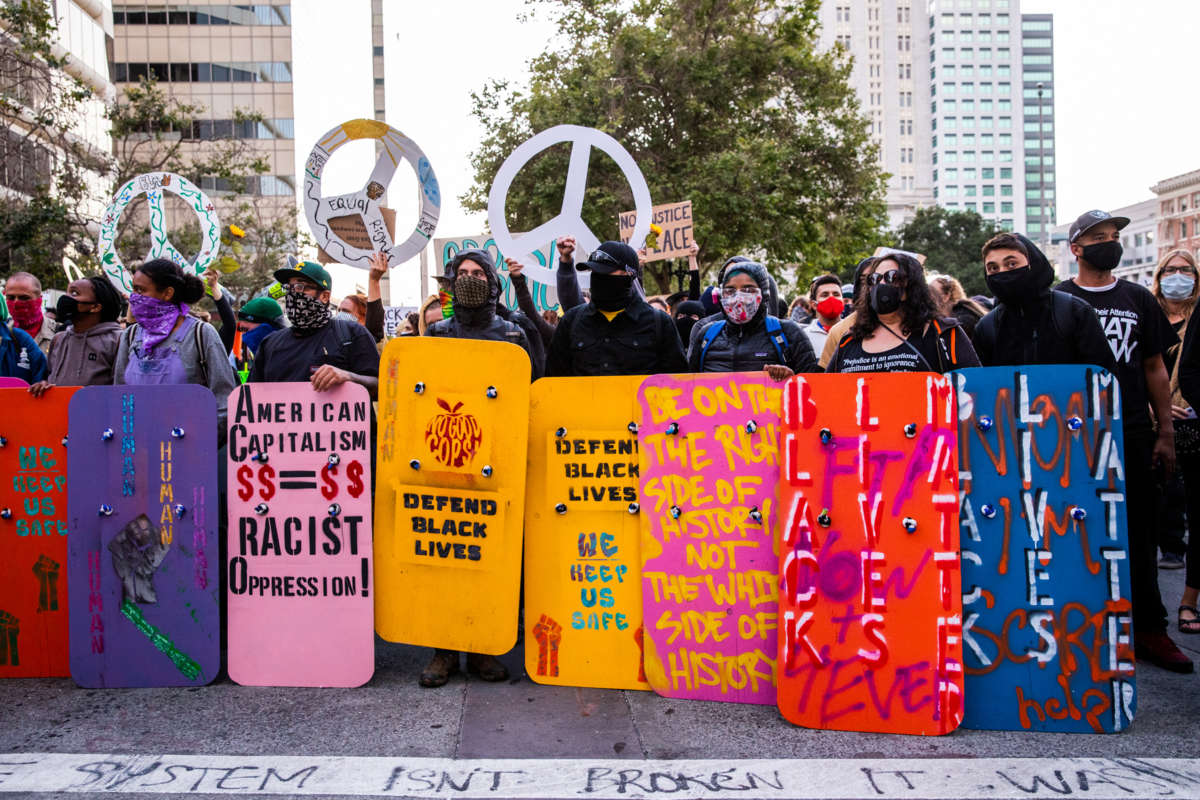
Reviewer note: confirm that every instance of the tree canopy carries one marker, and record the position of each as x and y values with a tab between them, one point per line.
727	103
952	242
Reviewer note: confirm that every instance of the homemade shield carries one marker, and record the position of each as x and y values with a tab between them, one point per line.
143	558
583	594
1046	593
870	601
301	595
33	533
453	425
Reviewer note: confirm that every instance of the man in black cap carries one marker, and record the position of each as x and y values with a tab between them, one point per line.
616	332
1138	334
316	348
1031	323
478	312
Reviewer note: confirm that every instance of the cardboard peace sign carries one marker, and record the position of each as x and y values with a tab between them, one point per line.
569	221
366	201
152	184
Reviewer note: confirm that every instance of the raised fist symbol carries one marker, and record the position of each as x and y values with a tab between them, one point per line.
548	634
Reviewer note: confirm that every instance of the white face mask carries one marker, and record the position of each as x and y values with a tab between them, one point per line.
1177	286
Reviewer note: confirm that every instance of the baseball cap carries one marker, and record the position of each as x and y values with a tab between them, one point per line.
308	269
260	309
612	257
1091	219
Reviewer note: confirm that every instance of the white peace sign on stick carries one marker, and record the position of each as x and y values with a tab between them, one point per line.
569	221
366	201
153	184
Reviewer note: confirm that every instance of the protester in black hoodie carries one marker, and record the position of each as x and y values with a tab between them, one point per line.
478	313
746	337
1032	323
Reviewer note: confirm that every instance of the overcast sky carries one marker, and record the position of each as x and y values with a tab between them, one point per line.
1124	78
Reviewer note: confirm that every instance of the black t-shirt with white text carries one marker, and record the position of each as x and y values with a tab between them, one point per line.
902	358
1136	329
284	356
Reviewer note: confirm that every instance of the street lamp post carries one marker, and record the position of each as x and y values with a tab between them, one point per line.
1045	237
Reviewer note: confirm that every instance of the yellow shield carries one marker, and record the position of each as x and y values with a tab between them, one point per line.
583	587
450	492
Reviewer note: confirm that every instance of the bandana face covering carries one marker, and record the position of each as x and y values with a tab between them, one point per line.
470	292
306	313
741	307
27	314
156	317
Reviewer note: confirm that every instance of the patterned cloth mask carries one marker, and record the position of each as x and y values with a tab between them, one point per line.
156	317
741	307
470	292
306	313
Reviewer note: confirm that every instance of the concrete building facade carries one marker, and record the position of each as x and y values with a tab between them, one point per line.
890	64
1139	241
1179	212
1037	90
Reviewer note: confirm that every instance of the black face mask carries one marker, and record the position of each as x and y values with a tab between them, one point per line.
1013	286
684	325
884	298
1103	256
66	309
611	292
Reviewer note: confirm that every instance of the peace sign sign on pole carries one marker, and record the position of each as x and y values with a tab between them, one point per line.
153	184
366	201
569	221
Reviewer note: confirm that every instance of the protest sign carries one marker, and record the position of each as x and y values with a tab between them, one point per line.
353	231
1047	630
301	594
393	319
708	449
366	202
453	425
583	601
153	184
675	219
33	533
543	289
570	221
870	601
142	555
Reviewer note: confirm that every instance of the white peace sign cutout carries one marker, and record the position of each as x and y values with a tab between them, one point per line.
366	201
152	184
569	221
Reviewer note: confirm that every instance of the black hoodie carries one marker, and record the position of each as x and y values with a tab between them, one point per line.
490	321
748	347
1034	324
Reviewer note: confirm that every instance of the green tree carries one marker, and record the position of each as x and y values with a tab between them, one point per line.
43	163
952	242
727	103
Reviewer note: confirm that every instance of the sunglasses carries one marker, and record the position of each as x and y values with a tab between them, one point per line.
892	277
601	257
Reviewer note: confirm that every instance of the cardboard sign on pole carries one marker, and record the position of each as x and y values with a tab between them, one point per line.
709	471
583	602
453	425
301	594
33	533
675	219
143	557
870	606
1046	593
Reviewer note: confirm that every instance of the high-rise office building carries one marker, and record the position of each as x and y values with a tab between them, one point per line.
1037	89
225	57
885	38
975	74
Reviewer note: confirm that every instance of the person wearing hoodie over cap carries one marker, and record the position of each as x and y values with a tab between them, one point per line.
1031	323
687	314
616	332
746	337
84	353
478	313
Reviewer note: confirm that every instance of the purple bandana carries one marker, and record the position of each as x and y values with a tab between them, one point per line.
157	318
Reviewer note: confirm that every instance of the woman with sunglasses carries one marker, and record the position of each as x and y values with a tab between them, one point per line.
896	325
746	336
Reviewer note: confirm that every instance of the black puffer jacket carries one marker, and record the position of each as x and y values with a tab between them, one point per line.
748	347
1043	326
483	323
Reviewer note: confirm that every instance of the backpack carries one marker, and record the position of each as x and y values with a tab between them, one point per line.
1061	304
774	333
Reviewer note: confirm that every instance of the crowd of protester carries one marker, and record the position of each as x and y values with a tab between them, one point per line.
895	315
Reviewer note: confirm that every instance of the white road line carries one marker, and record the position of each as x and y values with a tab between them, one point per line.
927	779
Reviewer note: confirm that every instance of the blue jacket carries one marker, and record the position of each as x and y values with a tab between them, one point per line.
20	357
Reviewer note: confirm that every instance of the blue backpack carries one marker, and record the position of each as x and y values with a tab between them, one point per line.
774	332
